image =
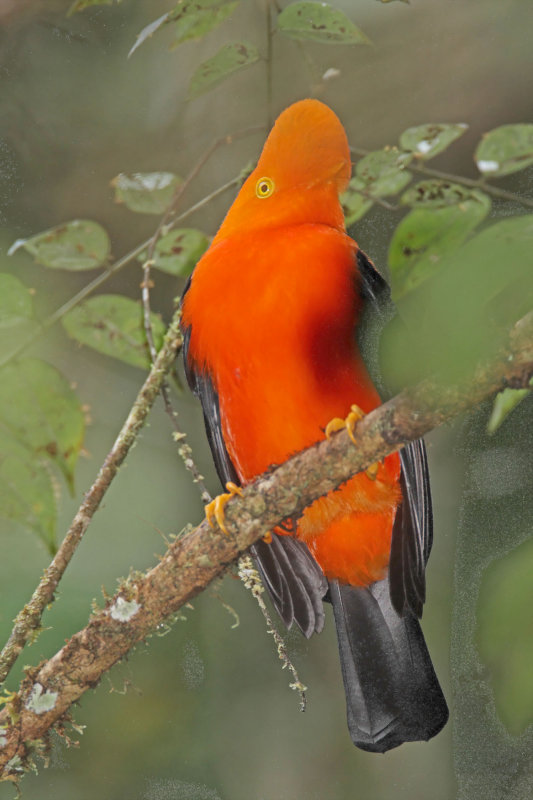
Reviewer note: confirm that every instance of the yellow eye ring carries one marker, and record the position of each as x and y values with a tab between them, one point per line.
264	187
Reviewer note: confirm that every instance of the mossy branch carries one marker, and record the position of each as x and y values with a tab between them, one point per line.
28	620
144	601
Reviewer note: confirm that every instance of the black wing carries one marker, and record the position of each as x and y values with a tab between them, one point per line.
413	527
294	580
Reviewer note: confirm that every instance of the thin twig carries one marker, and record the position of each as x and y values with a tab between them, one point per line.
28	620
184	450
477	183
252	581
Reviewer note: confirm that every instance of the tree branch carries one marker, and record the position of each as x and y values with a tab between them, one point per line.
193	560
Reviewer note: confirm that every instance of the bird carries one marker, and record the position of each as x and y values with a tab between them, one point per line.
271	316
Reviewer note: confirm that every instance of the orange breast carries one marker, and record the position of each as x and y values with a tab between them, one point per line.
273	316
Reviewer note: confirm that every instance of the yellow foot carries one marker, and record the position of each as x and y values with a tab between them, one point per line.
268	538
216	507
338	424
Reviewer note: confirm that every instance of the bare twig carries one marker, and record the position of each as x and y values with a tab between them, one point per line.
477	183
184	449
249	575
194	560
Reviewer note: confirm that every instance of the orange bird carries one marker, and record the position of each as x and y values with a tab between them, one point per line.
270	321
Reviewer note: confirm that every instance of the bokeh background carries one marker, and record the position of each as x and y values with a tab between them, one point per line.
202	711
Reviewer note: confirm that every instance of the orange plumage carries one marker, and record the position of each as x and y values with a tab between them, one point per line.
279	284
269	322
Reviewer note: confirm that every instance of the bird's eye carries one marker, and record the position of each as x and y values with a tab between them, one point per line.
264	187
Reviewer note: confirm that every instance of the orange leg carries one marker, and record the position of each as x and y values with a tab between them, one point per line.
338	424
216	507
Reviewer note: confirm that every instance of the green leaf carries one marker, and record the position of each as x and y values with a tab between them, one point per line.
146	192
436	194
26	489
354	203
383	171
229	59
195	18
319	22
464	311
38	406
16	304
16	315
504	403
113	325
504	634
178	251
77	245
426	141
426	235
505	150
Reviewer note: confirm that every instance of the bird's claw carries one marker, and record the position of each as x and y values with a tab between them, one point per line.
338	424
216	507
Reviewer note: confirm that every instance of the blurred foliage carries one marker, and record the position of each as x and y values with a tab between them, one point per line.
491	644
460	260
505	647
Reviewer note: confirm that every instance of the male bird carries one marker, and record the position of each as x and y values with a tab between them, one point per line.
270	317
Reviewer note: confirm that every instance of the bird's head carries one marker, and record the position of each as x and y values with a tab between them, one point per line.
304	166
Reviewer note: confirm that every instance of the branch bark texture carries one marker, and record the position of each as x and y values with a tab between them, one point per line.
193	560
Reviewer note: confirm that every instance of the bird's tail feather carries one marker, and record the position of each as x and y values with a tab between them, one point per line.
392	692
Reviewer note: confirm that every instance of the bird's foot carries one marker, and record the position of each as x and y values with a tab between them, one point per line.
338	424
216	507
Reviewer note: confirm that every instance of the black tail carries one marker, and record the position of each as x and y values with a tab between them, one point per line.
392	692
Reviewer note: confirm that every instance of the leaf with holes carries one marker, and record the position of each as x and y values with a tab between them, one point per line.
437	193
504	636
319	22
178	251
146	192
230	58
113	325
39	407
505	150
195	18
383	171
78	245
26	489
426	141
426	235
